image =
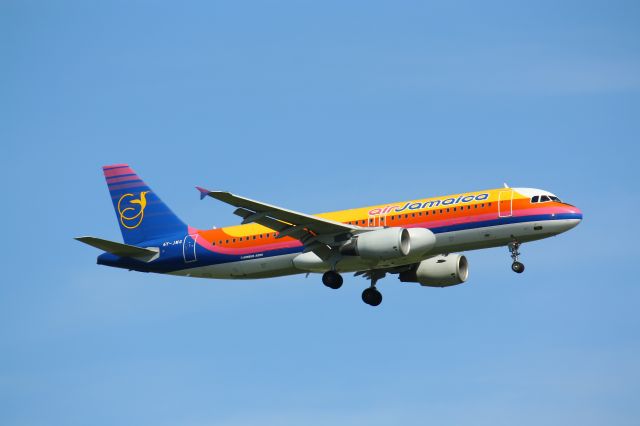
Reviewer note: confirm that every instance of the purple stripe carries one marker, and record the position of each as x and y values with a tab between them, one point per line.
121	177
138	184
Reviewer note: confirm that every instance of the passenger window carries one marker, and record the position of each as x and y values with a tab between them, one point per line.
535	199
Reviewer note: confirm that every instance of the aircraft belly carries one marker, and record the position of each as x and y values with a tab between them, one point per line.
251	268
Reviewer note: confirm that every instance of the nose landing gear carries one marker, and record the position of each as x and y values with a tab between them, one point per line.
516	266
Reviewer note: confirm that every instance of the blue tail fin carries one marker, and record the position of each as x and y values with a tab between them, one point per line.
141	214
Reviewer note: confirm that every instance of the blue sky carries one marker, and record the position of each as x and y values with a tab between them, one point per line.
318	106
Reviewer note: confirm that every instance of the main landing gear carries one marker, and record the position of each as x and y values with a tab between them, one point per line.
332	279
516	266
371	296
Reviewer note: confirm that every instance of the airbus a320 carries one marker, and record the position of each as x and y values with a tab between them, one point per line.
418	240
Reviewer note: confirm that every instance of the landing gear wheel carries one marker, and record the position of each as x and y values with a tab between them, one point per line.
332	279
371	296
517	267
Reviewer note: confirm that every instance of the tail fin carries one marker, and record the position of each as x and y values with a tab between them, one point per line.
141	214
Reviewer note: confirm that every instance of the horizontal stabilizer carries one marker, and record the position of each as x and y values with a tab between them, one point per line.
122	250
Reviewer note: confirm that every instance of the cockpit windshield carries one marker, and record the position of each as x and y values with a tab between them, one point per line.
545	199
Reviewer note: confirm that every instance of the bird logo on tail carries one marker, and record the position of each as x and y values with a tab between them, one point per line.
128	216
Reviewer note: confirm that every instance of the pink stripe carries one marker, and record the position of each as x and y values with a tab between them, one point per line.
539	210
122	179
202	242
257	249
118	171
113	166
484	217
458	220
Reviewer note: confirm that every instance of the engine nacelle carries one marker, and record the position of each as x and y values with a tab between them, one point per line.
421	241
383	244
438	271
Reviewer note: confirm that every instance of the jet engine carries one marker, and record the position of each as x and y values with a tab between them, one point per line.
382	244
439	271
421	241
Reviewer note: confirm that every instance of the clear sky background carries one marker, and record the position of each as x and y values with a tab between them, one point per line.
318	106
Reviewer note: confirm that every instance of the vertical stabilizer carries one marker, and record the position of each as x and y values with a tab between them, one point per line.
141	214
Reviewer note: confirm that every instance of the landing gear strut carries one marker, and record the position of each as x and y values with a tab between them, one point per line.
516	266
371	296
332	279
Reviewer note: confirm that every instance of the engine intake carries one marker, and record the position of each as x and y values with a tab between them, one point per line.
438	271
383	244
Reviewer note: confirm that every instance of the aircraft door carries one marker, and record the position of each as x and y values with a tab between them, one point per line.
505	203
377	220
189	248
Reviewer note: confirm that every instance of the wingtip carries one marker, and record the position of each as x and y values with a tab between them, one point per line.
203	192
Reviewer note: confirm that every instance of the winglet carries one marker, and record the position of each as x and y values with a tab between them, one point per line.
203	192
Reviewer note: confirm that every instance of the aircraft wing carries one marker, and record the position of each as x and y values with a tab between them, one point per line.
311	230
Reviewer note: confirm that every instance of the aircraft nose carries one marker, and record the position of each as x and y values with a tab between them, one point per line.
574	212
572	215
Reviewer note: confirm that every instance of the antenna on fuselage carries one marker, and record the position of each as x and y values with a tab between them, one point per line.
505	185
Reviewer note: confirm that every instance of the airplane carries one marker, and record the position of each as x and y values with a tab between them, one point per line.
419	240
